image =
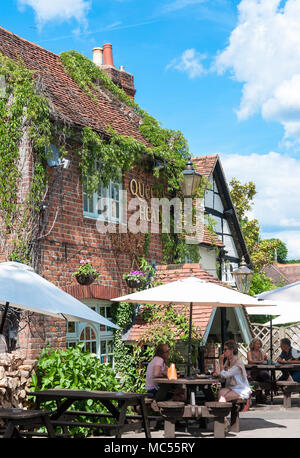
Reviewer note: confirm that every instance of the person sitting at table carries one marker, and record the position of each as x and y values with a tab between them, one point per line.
234	372
257	356
158	368
289	355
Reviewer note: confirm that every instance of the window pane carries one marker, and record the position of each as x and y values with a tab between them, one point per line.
109	346
218	203
226	229
71	326
230	246
103	347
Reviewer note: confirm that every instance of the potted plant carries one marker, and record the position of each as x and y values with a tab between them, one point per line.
136	278
85	274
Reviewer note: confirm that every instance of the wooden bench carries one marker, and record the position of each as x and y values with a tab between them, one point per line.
288	387
171	411
17	420
219	411
236	407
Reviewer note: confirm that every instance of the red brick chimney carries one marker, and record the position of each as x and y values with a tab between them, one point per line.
108	57
120	77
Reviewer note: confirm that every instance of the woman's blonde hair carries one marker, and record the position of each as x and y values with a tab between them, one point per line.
253	342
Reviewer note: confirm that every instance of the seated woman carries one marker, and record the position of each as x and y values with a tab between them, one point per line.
157	368
234	373
257	356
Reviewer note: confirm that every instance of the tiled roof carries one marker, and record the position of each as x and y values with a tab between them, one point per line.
205	164
290	271
276	274
211	239
167	274
66	99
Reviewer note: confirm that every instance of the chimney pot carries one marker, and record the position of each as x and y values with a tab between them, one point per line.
98	56
122	68
107	52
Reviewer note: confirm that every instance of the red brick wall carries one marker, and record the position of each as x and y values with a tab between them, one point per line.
71	237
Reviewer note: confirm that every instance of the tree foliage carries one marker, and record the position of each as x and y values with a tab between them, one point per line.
261	251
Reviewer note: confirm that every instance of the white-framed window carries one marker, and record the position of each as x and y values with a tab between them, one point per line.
106	203
97	339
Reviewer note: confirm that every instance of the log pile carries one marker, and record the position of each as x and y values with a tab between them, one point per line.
15	378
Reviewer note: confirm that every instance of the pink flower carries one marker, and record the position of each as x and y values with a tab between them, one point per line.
85	261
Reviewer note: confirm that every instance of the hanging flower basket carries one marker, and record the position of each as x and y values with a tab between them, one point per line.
133	283
85	279
135	279
85	274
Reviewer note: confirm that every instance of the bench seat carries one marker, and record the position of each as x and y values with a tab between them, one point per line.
17	420
288	387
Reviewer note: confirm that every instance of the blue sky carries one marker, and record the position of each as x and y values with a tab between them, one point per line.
224	72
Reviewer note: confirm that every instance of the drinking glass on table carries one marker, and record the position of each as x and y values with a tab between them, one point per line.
210	369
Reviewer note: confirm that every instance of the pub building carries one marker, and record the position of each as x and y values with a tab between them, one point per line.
70	217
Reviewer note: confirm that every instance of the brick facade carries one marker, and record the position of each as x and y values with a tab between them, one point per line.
67	237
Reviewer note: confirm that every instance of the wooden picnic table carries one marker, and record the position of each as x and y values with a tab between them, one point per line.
211	409
273	368
190	383
64	417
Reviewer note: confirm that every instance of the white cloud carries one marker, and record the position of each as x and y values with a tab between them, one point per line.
276	204
264	54
189	62
290	238
57	10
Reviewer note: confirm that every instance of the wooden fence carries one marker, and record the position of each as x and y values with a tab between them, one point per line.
278	332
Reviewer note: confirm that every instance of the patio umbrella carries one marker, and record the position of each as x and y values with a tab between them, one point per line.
192	291
22	288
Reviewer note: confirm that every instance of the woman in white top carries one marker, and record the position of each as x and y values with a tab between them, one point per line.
234	373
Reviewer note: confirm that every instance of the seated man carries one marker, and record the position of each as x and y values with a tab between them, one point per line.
289	355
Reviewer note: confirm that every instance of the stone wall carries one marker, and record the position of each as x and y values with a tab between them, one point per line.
15	378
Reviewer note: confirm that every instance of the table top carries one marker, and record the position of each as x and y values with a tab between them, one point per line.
272	366
188	381
86	394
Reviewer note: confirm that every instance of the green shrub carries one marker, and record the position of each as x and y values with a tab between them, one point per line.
74	369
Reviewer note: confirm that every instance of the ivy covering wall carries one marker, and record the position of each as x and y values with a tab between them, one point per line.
25	113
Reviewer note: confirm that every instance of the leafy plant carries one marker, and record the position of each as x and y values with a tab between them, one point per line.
74	369
86	269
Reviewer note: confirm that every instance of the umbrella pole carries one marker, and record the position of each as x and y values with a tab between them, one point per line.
4	317
271	339
190	341
223	326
